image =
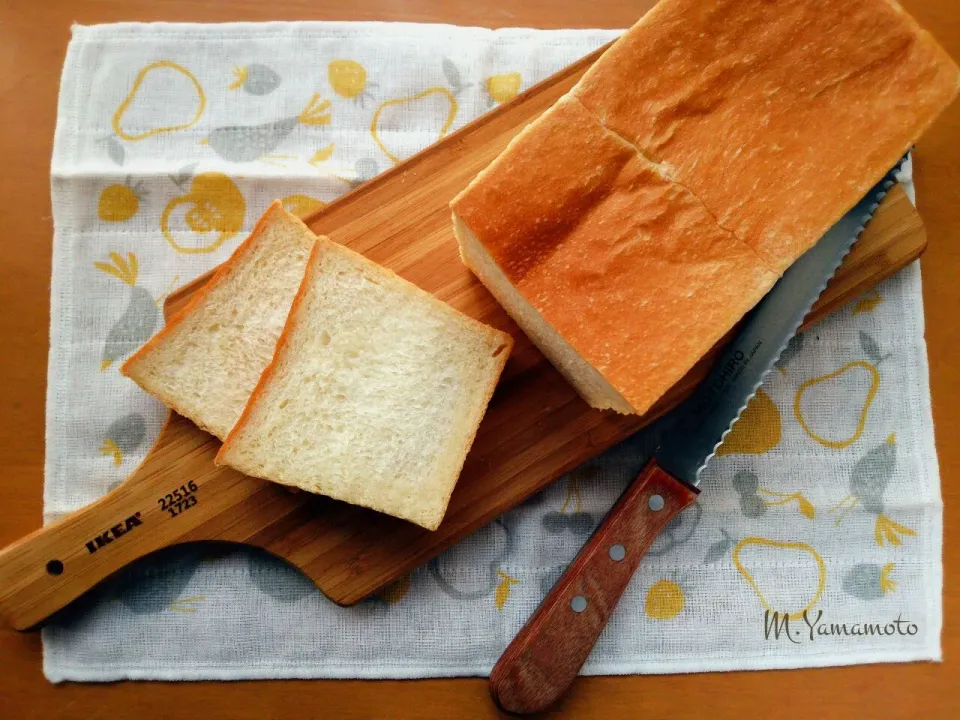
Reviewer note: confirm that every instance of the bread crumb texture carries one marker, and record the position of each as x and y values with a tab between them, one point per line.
375	393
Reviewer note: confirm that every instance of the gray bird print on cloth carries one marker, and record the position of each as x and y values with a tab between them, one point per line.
869	581
868	483
124	435
245	143
140	318
719	550
255	79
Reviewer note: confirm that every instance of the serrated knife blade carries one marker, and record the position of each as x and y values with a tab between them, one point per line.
697	428
548	652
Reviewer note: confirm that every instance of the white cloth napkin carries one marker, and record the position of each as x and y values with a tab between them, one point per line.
170	142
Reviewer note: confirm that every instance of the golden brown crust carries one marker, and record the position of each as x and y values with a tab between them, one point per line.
628	267
779	116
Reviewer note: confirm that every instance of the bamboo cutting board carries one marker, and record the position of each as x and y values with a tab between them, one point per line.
535	430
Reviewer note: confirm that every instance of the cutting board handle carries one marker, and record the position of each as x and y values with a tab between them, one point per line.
544	658
154	508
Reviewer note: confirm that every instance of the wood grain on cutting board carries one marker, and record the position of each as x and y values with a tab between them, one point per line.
36	35
535	429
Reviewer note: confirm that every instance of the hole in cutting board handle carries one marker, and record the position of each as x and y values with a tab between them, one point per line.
55	567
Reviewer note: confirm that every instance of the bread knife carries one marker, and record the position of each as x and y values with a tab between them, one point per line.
545	657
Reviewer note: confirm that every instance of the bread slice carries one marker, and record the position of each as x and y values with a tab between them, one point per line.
206	361
374	394
780	115
620	277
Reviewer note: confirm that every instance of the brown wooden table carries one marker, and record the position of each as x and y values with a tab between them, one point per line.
33	40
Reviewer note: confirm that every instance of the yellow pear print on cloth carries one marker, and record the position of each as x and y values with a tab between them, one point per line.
395	591
503	88
124	435
147	110
119	203
432	110
664	601
140	318
348	78
502	593
302	205
255	79
760	561
869	581
245	143
756	431
210	207
868	483
859	378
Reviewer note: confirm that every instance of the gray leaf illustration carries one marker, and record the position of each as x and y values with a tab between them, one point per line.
260	80
870	348
184	175
115	150
792	349
244	143
872	473
718	550
452	74
868	581
277	578
366	169
127	432
135	326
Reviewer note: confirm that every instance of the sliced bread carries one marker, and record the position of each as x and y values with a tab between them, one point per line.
374	394
206	361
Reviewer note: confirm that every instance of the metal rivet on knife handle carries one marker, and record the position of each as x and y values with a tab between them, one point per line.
655	503
578	604
617	552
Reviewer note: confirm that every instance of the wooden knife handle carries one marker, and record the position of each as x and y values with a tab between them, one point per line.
544	658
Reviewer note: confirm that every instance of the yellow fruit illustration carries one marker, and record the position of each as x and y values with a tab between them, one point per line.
417	105
348	78
503	88
868	302
302	205
321	155
664	600
826	383
394	592
756	431
213	209
150	71
502	592
773	556
119	203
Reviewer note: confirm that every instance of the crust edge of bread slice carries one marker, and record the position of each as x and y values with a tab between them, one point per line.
504	342
132	367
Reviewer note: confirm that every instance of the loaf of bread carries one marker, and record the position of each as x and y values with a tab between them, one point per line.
374	393
207	359
631	226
